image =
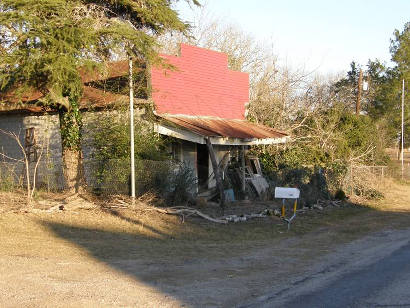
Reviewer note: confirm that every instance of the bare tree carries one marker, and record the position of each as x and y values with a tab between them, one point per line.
31	173
275	90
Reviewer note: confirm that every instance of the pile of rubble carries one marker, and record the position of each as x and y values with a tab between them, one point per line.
320	205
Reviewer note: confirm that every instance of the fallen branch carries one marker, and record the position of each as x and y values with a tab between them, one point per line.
182	211
185	211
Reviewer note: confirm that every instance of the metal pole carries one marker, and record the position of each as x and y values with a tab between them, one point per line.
402	130
132	128
359	91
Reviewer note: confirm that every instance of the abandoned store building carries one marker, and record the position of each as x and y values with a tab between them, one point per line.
199	100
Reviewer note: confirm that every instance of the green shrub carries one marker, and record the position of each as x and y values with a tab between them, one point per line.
8	178
154	173
318	159
340	195
108	135
182	185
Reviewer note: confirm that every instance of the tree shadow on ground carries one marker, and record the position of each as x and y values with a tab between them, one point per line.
155	260
180	268
137	222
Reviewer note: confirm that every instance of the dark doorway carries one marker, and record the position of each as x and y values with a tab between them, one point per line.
202	162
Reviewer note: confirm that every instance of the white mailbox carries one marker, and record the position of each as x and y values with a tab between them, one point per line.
287	193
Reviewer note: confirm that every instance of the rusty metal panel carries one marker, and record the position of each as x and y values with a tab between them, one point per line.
110	70
215	127
96	98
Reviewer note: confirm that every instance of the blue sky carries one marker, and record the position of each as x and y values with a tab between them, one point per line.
322	35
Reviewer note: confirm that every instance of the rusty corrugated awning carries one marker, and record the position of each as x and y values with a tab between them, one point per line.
217	128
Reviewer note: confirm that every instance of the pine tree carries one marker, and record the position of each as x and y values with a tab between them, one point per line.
400	50
386	104
44	42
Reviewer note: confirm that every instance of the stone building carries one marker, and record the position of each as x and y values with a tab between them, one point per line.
200	100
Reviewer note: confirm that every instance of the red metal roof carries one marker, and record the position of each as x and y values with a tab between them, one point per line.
231	128
201	85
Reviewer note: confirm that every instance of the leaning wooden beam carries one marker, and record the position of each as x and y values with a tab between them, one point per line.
221	165
218	177
243	171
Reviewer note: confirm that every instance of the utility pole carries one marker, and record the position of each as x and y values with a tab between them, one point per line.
132	128
359	91
402	130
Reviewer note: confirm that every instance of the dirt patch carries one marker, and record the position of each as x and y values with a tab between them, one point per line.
11	201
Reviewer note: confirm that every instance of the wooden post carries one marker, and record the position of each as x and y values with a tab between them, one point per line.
359	92
243	169
217	173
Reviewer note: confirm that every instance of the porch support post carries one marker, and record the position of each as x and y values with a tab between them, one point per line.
243	169
218	177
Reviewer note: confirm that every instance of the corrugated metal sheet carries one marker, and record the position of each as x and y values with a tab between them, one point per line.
96	98
216	127
92	99
110	70
29	95
93	95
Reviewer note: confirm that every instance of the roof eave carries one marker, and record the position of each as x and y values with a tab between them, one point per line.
185	134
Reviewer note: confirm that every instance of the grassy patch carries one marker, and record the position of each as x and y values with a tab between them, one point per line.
104	235
131	234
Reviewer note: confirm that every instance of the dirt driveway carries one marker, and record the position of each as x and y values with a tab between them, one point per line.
95	258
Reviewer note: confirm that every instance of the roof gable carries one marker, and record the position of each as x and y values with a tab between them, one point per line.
201	85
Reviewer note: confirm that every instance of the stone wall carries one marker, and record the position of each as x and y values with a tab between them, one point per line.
47	143
48	140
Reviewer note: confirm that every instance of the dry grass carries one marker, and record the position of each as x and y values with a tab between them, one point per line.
12	201
153	235
84	257
397	197
394	169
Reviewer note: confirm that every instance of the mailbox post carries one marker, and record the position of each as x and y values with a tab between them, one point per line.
287	193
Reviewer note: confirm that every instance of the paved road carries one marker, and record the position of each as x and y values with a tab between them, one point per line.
385	283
